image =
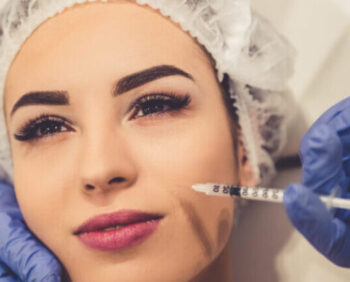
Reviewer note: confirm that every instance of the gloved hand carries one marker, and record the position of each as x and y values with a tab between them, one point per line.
22	256
325	155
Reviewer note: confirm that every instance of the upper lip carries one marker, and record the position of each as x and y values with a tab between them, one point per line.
111	219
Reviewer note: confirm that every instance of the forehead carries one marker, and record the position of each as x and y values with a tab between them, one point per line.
115	38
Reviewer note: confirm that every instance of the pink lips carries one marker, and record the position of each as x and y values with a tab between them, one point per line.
138	226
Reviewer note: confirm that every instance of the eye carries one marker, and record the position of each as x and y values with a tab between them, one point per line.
159	103
150	105
43	126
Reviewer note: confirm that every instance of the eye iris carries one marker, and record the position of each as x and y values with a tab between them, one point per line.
152	107
157	104
48	128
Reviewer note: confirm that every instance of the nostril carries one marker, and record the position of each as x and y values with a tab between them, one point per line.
116	179
90	187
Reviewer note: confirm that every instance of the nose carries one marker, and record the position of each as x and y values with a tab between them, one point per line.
106	163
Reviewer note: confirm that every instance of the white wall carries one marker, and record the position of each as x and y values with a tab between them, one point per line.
320	31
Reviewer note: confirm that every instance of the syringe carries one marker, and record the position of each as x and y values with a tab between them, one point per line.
261	194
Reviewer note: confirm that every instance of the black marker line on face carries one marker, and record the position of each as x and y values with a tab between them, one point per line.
198	226
223	229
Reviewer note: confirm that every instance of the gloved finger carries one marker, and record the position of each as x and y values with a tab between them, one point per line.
21	251
3	270
6	274
322	155
8	201
335	110
341	124
24	254
8	279
338	119
330	236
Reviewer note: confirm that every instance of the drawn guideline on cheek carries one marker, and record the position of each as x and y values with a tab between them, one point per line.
223	229
198	226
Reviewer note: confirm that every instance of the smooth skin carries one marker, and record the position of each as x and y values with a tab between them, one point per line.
84	52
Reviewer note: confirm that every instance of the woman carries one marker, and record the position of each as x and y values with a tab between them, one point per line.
113	111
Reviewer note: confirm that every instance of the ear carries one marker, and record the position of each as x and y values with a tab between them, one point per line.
245	171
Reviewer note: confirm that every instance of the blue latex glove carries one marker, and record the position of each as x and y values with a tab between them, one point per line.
325	155
22	256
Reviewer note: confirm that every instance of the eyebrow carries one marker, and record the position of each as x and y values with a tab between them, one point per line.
124	85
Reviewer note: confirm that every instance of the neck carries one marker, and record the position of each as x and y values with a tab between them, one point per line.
220	269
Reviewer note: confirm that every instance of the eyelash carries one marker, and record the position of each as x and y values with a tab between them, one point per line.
29	131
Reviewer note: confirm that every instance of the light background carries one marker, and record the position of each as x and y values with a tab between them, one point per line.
266	248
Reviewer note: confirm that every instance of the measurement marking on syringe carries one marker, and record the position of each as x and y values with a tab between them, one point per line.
274	195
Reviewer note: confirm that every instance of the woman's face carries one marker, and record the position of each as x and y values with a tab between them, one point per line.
81	146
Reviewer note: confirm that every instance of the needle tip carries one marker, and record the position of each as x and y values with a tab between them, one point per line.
200	188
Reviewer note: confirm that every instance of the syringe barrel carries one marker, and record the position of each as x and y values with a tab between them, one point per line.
262	194
339	203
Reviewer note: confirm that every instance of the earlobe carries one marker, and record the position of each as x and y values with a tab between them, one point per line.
246	174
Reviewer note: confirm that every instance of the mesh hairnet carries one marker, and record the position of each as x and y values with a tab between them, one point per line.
244	46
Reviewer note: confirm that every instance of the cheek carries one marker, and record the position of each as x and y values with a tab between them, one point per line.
40	197
198	151
210	220
195	151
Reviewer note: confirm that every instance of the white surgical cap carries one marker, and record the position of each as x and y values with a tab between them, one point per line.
256	59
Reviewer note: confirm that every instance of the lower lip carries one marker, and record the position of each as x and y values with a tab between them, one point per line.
118	239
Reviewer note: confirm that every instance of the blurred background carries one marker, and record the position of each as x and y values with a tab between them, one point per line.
266	247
